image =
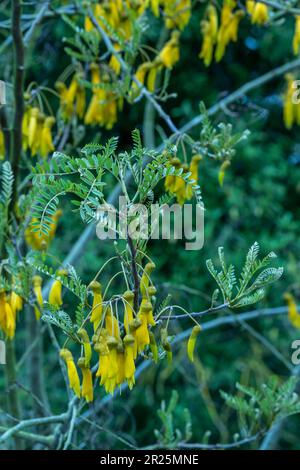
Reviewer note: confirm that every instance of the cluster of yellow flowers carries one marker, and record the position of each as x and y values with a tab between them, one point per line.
38	240
36	129
11	303
72	99
293	314
104	103
258	11
147	71
291	109
117	343
216	37
176	184
176	13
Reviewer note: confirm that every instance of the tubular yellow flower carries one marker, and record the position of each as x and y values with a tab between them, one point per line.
142	332
222	172
32	127
170	55
209	30
111	323
147	308
133	326
170	181
194	175
16	302
296	39
55	298
155	7
128	297
145	279
129	366
37	289
97	307
102	372
289	108
82	333
7	317
121	363
293	314
46	138
87	391
140	76
192	342
259	13
111	381
73	377
229	27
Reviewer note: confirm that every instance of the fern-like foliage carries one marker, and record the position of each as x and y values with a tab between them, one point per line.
256	275
86	179
7	179
258	409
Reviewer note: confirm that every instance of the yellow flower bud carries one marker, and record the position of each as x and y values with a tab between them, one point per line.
192	342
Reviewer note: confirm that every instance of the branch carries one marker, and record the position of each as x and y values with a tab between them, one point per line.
37	20
16	144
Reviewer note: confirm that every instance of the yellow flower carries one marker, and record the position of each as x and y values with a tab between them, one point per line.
192	342
209	30
2	145
194	176
114	62
145	279
33	126
222	172
82	333
170	181
140	77
55	298
73	377
128	297
37	289
97	307
129	366
170	55
111	380
259	12
155	6
46	138
296	39
290	109
142	332
293	314
111	323
7	317
229	27
87	390
16	302
121	363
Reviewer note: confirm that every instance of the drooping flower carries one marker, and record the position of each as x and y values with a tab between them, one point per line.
37	289
258	11
82	333
129	366
73	377
128	297
209	30
170	54
55	297
145	279
296	39
291	109
97	307
228	31
293	314
7	317
194	176
192	342
16	303
142	332
222	171
87	391
46	138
